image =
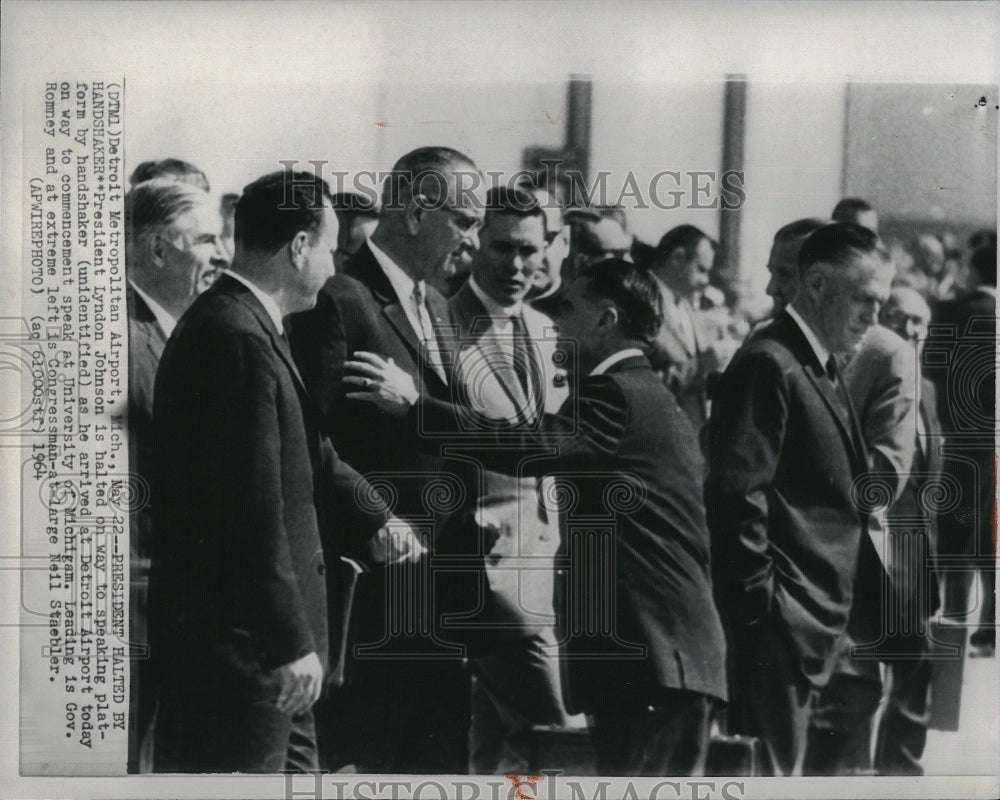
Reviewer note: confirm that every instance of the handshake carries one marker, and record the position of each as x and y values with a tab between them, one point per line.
394	543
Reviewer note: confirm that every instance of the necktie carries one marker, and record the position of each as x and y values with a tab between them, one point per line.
831	369
427	330
524	363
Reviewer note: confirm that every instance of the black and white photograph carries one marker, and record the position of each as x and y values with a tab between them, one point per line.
499	399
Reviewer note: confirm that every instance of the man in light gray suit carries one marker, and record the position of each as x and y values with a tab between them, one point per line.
504	371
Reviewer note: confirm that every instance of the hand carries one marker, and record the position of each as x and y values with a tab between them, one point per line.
395	543
299	684
383	383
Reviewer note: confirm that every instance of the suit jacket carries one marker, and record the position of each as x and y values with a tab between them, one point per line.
635	604
245	488
784	452
678	358
913	567
359	310
882	384
519	564
145	346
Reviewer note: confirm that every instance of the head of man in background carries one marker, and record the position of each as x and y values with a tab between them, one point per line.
907	314
613	306
173	242
511	245
433	204
547	279
358	216
173	168
683	261
858	211
783	265
846	274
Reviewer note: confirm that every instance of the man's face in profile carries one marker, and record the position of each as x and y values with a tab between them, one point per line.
193	249
908	315
449	229
849	299
318	266
783	266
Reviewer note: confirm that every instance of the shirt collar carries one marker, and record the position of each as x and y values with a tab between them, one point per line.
265	300
614	358
821	352
166	322
402	284
493	308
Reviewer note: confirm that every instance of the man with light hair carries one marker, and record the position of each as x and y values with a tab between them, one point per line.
173	250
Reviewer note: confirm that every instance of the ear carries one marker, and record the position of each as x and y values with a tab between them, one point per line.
414	217
678	258
156	248
815	279
608	318
297	249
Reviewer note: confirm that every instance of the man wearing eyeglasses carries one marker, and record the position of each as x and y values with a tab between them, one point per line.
404	706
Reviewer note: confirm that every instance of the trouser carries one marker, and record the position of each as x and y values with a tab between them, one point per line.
403	716
198	730
513	689
664	735
902	731
770	697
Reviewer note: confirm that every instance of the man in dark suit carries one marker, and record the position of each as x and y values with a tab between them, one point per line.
785	450
505	369
244	488
970	418
407	695
642	644
173	250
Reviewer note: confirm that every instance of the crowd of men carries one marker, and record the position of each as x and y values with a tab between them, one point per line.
431	476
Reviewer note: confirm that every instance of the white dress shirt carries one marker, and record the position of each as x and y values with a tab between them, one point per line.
166	322
614	358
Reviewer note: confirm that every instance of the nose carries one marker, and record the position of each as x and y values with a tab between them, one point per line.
220	259
911	330
472	238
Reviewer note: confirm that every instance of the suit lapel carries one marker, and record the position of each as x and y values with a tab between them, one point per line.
850	430
365	268
277	342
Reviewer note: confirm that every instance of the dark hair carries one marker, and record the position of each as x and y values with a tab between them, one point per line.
277	206
982	238
984	264
838	243
799	229
414	169
633	291
518	200
847	210
175	168
686	236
